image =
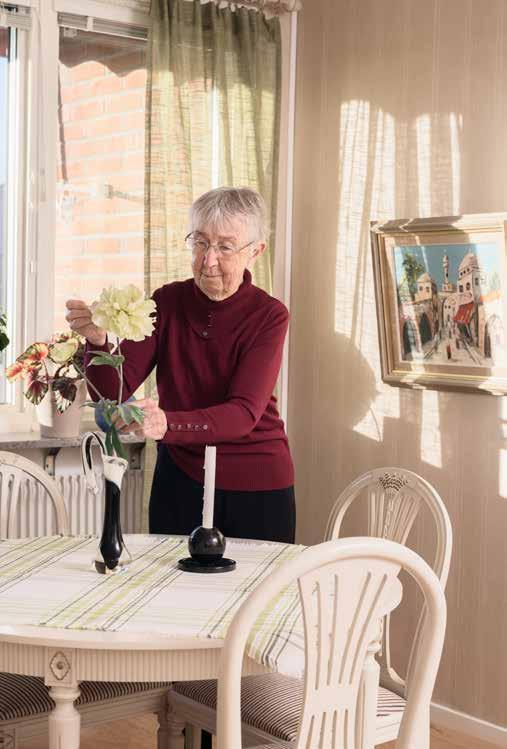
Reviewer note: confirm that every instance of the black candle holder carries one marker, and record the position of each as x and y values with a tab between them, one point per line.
206	547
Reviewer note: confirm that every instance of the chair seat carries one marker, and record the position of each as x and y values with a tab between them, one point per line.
272	703
28	696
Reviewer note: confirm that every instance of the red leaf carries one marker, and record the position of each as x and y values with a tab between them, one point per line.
36	388
65	393
16	370
35	353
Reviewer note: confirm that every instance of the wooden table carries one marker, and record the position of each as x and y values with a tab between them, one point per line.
49	579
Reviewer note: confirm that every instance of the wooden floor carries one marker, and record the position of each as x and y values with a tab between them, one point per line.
140	733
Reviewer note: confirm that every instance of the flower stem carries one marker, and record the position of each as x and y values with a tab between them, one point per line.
85	378
120	373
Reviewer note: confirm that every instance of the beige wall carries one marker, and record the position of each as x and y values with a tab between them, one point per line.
401	111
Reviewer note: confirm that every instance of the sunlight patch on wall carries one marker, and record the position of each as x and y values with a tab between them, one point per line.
366	192
382	200
371	425
423	142
431	441
354	161
455	129
367	183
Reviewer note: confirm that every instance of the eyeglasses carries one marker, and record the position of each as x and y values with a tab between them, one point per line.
200	245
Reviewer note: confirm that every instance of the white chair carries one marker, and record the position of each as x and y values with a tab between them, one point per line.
345	587
14	471
24	700
394	498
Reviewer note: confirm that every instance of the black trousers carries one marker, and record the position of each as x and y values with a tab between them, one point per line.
176	507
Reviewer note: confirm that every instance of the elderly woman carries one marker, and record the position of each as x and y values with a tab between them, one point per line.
217	346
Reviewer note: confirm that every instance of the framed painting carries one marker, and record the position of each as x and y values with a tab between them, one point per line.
441	294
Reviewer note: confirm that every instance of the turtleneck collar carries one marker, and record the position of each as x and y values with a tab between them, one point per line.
211	320
231	301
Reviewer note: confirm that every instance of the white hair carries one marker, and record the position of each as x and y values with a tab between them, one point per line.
223	204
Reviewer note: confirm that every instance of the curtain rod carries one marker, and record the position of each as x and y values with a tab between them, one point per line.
268	7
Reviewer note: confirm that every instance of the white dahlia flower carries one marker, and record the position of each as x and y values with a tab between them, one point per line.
124	312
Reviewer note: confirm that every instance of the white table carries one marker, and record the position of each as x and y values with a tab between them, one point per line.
48	580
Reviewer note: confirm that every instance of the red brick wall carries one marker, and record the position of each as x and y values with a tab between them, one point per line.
100	188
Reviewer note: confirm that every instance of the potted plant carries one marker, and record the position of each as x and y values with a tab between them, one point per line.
4	338
54	382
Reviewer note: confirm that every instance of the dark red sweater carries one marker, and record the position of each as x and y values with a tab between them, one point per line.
217	364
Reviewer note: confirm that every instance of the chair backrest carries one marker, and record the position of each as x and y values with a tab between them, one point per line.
394	497
345	588
14	469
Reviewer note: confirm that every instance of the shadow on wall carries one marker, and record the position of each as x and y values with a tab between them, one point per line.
407	120
356	406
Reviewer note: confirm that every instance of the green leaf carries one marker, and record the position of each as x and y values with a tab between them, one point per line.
4	340
106	403
111	360
130	413
109	442
137	414
123	413
120	450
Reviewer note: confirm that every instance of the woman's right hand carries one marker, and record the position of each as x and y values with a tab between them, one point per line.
79	317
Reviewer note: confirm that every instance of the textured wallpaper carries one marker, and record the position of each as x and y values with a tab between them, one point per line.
401	111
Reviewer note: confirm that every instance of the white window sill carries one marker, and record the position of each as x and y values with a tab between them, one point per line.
33	440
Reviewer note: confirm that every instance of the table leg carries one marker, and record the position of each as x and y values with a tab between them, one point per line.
175	726
64	721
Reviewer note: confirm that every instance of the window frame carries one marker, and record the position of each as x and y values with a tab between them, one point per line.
37	198
16	214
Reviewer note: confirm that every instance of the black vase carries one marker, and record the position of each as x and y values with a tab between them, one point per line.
113	555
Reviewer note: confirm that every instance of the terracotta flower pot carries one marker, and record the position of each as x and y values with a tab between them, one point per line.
54	424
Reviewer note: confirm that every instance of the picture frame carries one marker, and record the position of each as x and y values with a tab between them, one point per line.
441	297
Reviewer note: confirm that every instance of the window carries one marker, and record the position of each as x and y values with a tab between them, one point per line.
13	88
100	179
65	232
4	84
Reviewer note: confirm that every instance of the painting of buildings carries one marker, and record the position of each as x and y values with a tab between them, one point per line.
451	306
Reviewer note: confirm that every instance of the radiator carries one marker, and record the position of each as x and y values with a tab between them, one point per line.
35	515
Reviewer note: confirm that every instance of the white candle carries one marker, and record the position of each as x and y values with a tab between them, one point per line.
210	459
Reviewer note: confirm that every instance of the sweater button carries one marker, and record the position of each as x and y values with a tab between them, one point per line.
204	426
204	333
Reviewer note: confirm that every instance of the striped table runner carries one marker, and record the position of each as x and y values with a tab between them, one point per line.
51	582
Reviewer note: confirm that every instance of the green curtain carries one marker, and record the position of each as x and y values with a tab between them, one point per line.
212	119
213	110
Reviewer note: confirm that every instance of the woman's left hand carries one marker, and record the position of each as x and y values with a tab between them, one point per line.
154	424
